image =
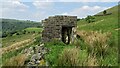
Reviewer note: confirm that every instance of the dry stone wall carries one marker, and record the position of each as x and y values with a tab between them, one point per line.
52	27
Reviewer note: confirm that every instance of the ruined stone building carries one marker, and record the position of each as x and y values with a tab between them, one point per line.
62	28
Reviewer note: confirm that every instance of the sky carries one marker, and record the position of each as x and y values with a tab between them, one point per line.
37	10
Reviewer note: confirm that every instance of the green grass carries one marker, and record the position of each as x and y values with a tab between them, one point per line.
7	56
31	29
16	38
105	24
56	50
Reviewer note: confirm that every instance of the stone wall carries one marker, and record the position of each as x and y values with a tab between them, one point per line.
52	27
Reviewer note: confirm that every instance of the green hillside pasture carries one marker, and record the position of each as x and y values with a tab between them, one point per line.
14	53
108	23
33	29
104	24
17	38
7	56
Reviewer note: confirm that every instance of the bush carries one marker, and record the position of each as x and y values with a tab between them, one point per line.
4	34
104	12
24	32
37	40
69	57
90	19
91	61
97	42
16	60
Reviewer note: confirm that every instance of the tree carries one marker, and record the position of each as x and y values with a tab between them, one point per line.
78	19
33	32
17	33
104	12
24	32
90	19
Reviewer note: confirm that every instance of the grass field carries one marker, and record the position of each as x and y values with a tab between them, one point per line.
105	24
13	39
33	29
18	40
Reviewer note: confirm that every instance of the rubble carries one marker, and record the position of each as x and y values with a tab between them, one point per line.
37	55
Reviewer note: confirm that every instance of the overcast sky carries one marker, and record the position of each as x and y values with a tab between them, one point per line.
37	10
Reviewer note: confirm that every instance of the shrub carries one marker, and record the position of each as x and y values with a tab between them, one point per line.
90	19
79	43
104	12
16	60
37	40
91	61
69	57
97	42
24	32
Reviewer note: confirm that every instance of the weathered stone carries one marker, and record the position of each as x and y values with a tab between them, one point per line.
37	62
33	58
42	45
30	63
38	56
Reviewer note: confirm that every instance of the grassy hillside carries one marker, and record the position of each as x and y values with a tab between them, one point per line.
10	26
31	29
12	46
29	33
96	46
106	24
13	39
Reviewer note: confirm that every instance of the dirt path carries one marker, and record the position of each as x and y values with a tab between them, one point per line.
16	46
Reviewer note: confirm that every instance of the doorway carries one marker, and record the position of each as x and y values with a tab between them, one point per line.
66	34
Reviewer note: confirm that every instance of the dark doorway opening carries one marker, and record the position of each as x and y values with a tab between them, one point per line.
66	34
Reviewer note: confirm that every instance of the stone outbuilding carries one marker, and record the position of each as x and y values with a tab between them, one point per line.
62	28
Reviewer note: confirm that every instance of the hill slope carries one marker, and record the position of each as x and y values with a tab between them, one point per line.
12	25
103	25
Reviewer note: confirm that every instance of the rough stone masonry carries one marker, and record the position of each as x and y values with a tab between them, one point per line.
61	27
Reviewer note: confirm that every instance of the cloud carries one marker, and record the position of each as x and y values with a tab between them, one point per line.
78	0
71	0
39	15
14	5
42	4
85	10
89	0
11	7
64	13
109	0
45	8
